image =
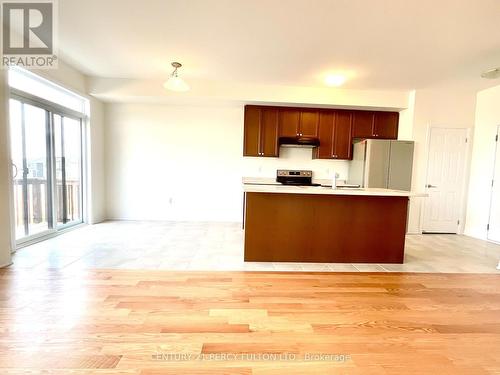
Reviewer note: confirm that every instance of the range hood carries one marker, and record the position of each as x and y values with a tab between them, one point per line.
300	141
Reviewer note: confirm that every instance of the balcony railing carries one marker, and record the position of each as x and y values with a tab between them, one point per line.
37	201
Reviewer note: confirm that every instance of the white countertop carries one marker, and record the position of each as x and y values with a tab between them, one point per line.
264	185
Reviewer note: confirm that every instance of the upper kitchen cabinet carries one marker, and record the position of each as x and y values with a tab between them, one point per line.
260	131
294	122
269	132
308	124
335	129
325	135
380	125
334	133
362	124
385	125
342	139
289	120
251	141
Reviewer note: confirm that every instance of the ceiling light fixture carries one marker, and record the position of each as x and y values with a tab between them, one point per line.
174	82
491	74
335	80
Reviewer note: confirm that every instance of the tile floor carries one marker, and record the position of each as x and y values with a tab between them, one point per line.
219	246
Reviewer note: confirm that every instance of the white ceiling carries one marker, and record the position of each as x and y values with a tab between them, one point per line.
384	44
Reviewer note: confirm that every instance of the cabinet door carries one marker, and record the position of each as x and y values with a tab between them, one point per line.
309	120
251	142
325	135
362	126
288	122
269	132
342	140
386	125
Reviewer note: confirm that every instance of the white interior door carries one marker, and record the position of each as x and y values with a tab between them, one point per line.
445	180
494	223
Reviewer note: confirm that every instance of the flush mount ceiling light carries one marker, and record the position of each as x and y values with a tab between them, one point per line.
491	74
174	82
335	80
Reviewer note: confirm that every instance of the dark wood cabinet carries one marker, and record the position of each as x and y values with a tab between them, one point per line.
385	125
308	125
334	133
325	135
362	124
260	132
382	125
269	132
298	122
289	120
342	140
251	142
335	128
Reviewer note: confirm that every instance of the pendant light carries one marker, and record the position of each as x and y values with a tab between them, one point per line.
174	82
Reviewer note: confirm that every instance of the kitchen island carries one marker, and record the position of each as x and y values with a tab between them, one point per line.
320	224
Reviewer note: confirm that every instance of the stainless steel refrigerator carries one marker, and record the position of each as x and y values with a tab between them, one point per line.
378	163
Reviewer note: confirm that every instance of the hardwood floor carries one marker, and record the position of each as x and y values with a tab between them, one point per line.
163	322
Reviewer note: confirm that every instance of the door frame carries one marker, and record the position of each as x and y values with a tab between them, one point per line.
63	116
465	178
497	151
49	201
51	109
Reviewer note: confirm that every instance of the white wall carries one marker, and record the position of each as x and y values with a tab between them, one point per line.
95	163
151	90
179	162
6	228
483	156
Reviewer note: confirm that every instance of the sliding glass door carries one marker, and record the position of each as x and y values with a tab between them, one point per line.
30	160
68	170
46	149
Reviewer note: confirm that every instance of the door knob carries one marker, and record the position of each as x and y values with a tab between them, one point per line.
430	186
14	174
